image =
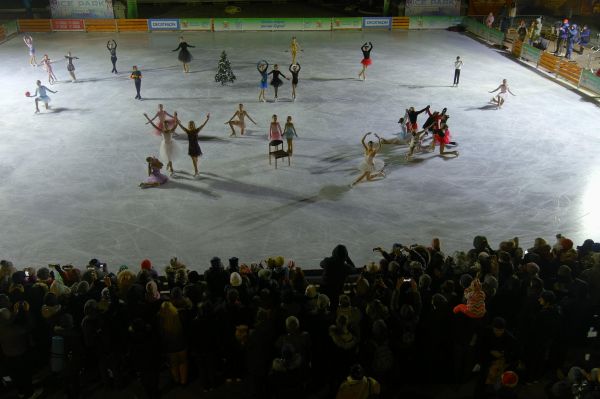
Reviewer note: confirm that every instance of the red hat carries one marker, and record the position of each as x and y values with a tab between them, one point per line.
510	379
566	244
146	264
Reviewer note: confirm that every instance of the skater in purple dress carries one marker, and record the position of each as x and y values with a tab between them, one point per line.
155	178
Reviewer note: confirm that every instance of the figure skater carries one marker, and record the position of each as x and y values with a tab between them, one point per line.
402	137
275	80
294	70
501	97
289	132
294	48
194	150
442	137
137	79
184	55
457	66
29	43
155	178
168	148
46	62
366	61
262	67
240	114
415	142
111	45
70	66
370	164
412	118
162	115
40	95
275	133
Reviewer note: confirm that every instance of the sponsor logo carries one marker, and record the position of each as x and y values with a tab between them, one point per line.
377	22
163	24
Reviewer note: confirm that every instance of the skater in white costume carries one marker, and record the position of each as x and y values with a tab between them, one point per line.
501	97
168	148
372	168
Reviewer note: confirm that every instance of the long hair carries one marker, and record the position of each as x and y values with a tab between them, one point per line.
169	318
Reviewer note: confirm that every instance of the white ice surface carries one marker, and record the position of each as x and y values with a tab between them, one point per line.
69	181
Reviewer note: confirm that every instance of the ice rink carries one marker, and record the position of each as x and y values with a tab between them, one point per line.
69	181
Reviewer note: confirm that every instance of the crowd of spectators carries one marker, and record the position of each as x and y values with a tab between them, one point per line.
500	317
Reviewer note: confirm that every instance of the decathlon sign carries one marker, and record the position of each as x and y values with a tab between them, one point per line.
377	22
163	24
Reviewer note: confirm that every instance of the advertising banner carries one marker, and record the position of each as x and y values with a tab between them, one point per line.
287	24
590	81
68	25
377	22
84	9
346	23
316	24
432	7
163	24
228	24
196	24
435	22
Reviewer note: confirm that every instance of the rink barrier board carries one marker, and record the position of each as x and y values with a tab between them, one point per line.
10	29
400	23
349	23
100	25
569	71
530	53
589	81
132	25
68	25
517	48
549	62
35	25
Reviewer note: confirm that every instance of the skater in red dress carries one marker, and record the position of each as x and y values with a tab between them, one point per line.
366	61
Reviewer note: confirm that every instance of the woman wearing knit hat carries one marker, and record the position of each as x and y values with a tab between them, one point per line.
475	306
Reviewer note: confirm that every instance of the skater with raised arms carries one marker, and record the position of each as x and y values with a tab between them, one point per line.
240	114
262	67
168	148
295	71
194	150
366	61
372	168
111	46
29	43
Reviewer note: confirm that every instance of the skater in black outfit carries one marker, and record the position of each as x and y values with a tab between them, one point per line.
294	70
275	80
137	79
111	45
366	61
184	55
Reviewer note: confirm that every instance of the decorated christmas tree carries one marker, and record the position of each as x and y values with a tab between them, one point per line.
224	72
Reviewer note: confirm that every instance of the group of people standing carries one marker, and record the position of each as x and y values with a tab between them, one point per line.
166	125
